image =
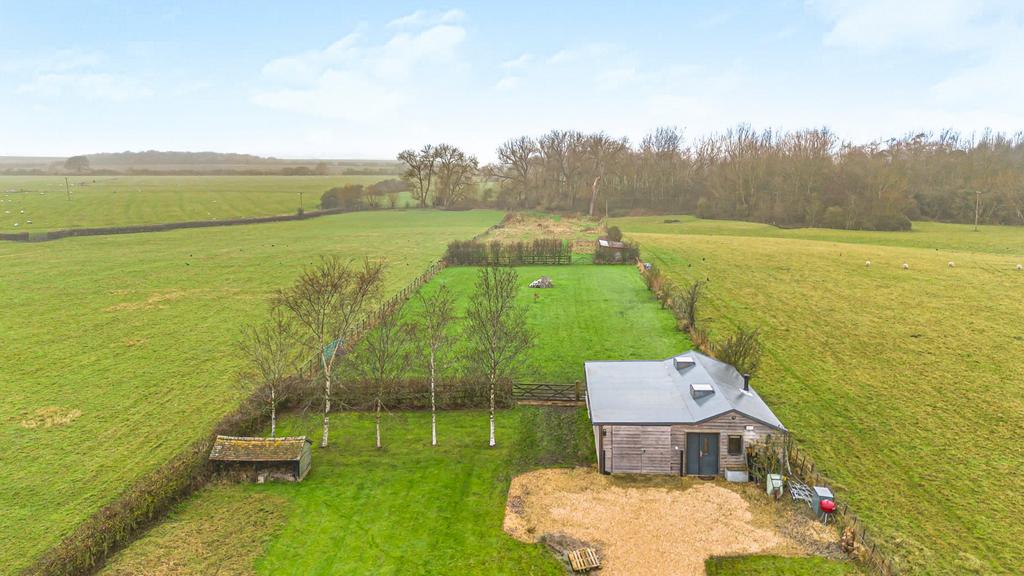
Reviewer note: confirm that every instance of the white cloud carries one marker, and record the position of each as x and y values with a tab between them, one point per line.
93	86
507	83
43	61
520	62
581	53
935	25
423	18
355	80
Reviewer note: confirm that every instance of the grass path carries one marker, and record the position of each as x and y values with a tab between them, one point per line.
906	386
118	351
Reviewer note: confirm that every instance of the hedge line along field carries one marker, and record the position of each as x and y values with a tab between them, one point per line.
905	386
406	509
118	351
1006	240
101	201
594	312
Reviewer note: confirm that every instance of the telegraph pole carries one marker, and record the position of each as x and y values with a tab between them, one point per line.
67	188
977	208
300	202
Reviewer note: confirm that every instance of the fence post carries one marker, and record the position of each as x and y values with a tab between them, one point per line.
577	390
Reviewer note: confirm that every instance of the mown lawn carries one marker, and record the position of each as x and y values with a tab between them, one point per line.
98	201
905	385
407	509
117	351
778	565
592	313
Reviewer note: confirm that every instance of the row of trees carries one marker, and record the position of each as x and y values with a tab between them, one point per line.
318	319
385	193
802	178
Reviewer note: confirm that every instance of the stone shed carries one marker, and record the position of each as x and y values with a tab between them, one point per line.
260	459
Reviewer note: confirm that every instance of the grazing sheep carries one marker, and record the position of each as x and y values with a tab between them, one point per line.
906	266
1020	267
950	264
867	264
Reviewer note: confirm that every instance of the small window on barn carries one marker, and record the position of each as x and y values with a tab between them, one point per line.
735	445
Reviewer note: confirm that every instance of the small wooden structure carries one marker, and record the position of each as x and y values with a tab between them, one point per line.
686	415
259	459
583	560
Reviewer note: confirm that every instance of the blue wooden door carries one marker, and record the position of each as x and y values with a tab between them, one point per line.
702	454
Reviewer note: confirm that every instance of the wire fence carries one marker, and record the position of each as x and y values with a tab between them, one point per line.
785	458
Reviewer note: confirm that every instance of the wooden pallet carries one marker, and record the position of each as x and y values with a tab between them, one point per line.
583	559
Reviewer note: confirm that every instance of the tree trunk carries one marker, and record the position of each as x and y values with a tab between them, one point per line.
433	404
273	412
593	194
492	411
327	408
378	422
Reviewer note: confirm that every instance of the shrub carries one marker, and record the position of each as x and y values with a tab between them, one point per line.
742	349
348	197
614	234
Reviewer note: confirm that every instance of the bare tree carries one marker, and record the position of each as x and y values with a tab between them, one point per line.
497	332
518	155
742	349
602	152
434	328
455	174
272	361
327	302
383	359
419	171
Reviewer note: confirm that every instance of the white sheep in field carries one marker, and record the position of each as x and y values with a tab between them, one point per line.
950	264
1020	267
867	264
906	266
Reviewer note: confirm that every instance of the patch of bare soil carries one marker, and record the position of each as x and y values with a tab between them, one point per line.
661	529
50	416
132	342
525	227
154	300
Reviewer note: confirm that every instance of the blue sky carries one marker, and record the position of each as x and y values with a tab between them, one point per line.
367	79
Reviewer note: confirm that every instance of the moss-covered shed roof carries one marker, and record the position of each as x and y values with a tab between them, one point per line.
249	449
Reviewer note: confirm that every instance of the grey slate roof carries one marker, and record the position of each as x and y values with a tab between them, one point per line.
655	392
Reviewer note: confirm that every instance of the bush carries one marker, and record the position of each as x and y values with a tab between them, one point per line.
834	217
742	349
614	234
474	253
348	197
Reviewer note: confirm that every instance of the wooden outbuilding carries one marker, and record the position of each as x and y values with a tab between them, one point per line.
260	459
689	415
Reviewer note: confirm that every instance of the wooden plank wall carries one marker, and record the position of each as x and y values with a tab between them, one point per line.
660	449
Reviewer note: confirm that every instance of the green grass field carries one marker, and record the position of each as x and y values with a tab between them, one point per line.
131	200
117	351
778	565
406	509
905	385
593	313
1006	240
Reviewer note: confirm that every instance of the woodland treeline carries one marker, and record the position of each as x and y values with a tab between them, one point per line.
801	178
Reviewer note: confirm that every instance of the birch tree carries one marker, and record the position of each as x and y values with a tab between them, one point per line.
383	359
434	327
327	303
497	332
272	361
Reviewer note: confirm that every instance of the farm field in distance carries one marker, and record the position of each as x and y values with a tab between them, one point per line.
904	385
406	509
101	201
137	358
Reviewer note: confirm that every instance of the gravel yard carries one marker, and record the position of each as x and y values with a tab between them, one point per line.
654	526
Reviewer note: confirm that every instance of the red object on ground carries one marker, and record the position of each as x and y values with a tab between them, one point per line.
827	506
